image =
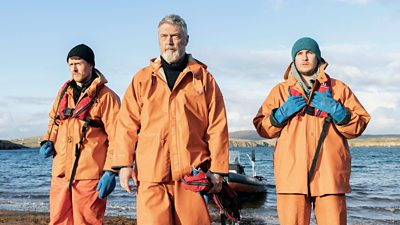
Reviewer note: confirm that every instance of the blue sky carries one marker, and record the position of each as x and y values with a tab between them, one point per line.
246	45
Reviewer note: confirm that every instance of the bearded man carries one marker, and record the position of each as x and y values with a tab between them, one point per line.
172	120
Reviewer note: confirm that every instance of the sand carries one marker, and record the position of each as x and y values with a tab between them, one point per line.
38	218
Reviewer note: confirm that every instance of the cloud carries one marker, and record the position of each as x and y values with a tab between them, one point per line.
246	77
24	116
7	125
28	100
365	67
384	119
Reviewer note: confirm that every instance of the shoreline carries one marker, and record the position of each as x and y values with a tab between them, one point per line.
11	217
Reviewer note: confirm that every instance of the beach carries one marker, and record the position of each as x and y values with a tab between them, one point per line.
39	218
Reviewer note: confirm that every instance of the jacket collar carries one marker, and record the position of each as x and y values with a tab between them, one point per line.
98	81
193	66
321	77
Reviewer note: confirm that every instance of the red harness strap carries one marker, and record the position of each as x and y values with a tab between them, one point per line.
81	109
320	87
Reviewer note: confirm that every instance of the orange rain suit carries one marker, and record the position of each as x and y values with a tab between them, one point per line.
172	132
94	159
297	141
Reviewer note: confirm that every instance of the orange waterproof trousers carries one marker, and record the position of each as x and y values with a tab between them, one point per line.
79	206
168	203
296	209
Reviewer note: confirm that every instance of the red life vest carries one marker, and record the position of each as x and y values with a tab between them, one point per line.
320	87
81	109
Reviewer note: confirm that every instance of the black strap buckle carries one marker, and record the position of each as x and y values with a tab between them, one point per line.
68	112
310	110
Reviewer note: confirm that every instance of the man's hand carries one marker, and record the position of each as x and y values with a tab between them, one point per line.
106	184
125	174
47	149
325	102
292	105
216	181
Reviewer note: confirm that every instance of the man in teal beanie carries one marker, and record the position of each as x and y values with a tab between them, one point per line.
312	116
306	43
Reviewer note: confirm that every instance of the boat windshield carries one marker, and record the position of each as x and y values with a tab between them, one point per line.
234	157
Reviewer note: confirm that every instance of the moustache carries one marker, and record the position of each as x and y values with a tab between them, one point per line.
170	48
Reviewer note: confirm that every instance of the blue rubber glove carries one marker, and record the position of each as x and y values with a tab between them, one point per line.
106	184
47	149
292	105
325	102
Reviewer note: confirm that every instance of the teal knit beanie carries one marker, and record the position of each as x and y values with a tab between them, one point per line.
308	44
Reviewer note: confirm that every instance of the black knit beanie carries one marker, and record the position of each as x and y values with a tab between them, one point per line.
82	51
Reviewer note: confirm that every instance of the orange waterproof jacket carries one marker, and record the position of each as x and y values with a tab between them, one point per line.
172	131
297	140
95	152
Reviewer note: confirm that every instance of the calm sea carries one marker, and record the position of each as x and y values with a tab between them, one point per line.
25	180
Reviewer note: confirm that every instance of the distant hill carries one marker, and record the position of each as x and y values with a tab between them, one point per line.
379	136
4	144
246	134
245	138
250	138
19	143
253	135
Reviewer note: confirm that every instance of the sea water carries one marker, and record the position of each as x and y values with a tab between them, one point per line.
375	180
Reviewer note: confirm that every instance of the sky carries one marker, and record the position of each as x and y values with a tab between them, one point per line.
245	44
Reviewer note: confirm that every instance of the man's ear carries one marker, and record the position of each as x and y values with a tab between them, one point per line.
187	40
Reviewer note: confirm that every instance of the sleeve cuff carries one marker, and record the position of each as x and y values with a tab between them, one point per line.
274	122
346	118
117	168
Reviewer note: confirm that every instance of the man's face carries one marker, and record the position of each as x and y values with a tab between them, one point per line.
306	62
80	70
172	41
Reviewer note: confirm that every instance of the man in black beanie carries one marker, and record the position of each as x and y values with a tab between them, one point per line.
82	51
80	128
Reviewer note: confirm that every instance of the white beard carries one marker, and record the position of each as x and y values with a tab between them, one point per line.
172	56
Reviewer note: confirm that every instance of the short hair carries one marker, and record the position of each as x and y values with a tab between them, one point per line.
174	20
